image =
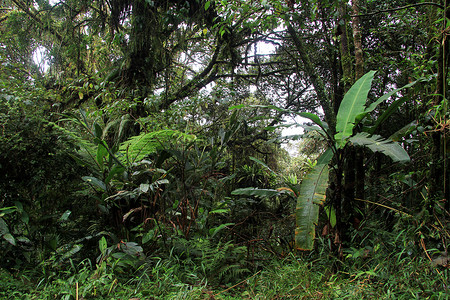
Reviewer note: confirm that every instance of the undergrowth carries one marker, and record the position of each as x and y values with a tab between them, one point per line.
295	277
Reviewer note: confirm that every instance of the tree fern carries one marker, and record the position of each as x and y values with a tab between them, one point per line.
86	155
138	147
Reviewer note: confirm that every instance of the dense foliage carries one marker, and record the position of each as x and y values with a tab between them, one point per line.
143	149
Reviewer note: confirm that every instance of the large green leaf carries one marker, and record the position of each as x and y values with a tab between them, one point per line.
387	113
386	96
378	144
312	194
95	182
351	106
315	118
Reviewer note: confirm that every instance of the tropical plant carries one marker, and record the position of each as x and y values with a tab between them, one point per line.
312	191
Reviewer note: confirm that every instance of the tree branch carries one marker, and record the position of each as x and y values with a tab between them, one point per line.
399	8
33	16
195	83
314	76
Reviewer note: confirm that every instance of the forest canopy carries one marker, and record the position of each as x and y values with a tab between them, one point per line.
138	135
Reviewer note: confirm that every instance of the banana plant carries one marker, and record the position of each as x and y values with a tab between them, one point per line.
352	110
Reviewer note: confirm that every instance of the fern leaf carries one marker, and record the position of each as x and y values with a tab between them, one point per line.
138	147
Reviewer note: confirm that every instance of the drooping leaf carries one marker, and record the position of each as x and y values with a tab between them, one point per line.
351	106
98	131
387	113
331	214
95	182
315	119
263	164
207	4
312	195
3	227
25	217
378	144
102	152
102	245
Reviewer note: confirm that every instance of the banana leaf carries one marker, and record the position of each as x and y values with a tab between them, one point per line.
378	144
351	107
312	195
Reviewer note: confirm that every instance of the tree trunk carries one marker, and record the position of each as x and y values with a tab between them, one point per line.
346	58
359	72
348	188
438	183
359	61
316	80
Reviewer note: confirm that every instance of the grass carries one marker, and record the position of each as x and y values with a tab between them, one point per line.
292	278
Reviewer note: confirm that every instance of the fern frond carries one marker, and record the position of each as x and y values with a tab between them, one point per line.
138	147
85	156
77	139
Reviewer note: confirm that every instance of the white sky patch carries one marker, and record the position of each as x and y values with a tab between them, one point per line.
40	58
292	145
263	48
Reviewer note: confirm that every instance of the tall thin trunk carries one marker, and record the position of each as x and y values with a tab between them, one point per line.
346	58
438	183
357	41
359	72
348	188
314	76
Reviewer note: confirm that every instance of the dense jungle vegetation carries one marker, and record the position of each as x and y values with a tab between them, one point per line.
143	149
